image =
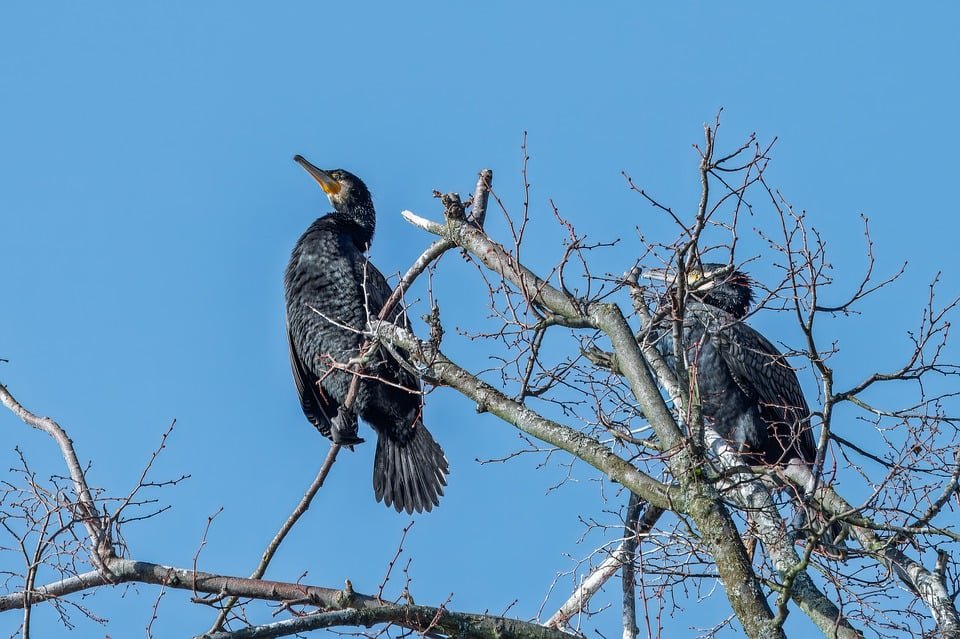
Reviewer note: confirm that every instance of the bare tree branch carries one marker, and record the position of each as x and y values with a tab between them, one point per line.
369	609
100	539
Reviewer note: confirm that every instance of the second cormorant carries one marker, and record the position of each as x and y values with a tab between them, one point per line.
748	391
332	290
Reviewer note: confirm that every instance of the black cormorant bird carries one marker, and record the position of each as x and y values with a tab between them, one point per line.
748	392
332	289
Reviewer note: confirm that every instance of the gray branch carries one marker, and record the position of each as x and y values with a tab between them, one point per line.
354	608
425	619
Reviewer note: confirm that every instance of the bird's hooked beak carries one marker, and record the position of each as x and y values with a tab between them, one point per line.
695	277
329	185
658	275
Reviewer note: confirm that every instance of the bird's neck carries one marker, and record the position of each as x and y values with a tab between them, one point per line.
363	221
735	302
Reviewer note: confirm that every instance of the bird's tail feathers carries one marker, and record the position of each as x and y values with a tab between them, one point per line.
409	475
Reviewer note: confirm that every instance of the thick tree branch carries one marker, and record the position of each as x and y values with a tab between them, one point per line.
426	620
362	608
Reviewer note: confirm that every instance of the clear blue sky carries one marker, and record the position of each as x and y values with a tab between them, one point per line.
148	204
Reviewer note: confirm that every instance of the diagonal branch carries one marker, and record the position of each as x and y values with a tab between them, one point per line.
621	560
87	512
444	371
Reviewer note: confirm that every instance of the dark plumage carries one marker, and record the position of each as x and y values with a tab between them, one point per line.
748	392
331	291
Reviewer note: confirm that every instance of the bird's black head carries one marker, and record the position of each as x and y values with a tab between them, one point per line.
730	291
713	284
346	192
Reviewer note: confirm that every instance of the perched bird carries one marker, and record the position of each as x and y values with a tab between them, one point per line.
332	289
748	392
